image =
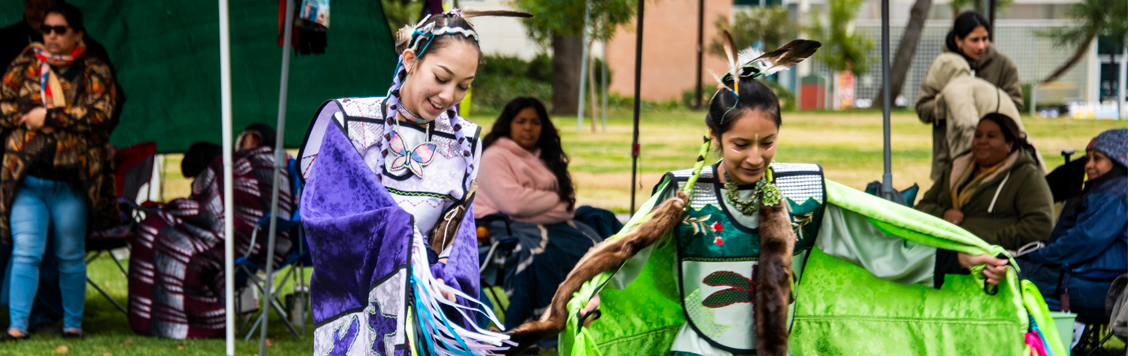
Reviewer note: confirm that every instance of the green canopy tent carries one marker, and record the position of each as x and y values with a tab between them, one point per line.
167	58
165	54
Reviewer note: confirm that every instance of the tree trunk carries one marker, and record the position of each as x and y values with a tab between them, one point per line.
591	84
903	60
567	56
1077	55
994	8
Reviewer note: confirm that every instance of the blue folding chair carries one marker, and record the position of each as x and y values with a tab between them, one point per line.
1095	317
493	251
294	266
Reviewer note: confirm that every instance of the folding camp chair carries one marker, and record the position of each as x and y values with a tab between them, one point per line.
905	197
133	175
1067	180
294	266
493	252
1095	325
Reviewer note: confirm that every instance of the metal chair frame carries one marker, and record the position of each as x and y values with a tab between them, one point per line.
294	266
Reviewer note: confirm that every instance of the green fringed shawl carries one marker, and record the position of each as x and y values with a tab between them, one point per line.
841	309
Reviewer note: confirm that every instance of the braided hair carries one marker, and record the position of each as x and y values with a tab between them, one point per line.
430	34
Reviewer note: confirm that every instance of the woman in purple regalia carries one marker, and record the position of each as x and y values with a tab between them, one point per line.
389	185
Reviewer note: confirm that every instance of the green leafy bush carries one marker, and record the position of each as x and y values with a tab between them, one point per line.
786	97
501	78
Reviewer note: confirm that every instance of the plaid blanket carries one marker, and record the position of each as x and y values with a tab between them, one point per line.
176	280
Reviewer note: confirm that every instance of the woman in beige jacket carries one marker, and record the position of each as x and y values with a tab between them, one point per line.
955	110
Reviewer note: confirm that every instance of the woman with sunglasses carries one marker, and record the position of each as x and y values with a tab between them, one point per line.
56	105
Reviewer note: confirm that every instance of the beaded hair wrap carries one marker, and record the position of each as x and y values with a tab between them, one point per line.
418	38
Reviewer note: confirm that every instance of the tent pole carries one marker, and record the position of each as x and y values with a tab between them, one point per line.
228	198
637	99
279	165
887	178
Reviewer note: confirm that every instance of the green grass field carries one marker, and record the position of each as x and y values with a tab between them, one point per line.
847	144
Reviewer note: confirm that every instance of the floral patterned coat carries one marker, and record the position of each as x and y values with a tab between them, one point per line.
81	132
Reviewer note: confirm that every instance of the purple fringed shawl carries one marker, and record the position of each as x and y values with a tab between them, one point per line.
360	240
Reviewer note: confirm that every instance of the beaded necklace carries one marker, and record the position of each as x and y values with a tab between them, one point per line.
765	193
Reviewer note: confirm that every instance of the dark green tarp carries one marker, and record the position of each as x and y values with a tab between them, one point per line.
167	58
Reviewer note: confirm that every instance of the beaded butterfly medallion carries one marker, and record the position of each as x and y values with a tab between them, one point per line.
414	159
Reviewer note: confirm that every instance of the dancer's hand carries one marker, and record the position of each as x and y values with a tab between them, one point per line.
448	295
954	216
591	306
995	271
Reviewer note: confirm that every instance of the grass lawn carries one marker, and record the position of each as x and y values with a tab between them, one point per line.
847	144
108	332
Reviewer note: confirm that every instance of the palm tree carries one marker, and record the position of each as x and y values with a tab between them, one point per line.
903	59
842	48
1095	17
769	25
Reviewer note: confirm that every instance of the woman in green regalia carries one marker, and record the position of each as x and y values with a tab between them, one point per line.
751	256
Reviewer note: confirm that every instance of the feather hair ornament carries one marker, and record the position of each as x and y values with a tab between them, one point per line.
781	58
753	63
720	80
403	36
494	13
730	52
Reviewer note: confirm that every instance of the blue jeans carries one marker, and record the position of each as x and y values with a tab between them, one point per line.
45	207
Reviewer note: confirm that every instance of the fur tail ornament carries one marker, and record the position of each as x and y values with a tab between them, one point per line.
602	257
773	280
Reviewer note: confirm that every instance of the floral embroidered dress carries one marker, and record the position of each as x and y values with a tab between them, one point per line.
692	293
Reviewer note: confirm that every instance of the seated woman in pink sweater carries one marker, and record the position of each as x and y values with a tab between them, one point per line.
524	177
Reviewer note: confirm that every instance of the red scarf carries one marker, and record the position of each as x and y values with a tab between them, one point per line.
51	89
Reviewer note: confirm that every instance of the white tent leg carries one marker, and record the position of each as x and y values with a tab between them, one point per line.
228	202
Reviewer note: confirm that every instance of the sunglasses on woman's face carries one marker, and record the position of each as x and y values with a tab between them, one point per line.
46	30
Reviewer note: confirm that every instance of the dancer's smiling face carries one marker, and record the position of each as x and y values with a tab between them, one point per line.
748	146
440	78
